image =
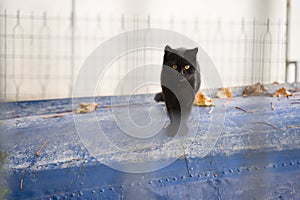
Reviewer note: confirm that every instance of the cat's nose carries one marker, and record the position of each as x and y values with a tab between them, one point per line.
182	72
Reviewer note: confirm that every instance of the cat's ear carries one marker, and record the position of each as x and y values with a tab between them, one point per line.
168	48
168	51
193	51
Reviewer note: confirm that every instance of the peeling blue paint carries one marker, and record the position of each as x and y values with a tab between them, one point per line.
257	155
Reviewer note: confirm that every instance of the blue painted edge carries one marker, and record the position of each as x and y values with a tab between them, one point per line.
96	177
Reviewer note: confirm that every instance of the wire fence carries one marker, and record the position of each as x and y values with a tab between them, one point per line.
41	55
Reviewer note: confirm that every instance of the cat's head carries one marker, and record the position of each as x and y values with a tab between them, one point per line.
182	60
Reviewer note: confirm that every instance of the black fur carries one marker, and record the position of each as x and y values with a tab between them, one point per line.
179	89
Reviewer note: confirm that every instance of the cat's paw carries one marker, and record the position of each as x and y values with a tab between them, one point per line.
159	97
173	131
184	131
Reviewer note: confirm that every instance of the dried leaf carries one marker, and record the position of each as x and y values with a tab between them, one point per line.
272	106
255	90
282	92
224	93
53	116
266	123
38	152
296	94
294	126
210	111
202	100
246	111
21	184
87	107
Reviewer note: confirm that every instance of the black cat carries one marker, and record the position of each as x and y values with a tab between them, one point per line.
180	81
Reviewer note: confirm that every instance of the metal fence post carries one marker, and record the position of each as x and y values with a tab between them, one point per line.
5	55
289	62
72	46
288	8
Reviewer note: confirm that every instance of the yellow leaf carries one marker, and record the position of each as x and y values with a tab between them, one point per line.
202	100
224	93
87	107
282	92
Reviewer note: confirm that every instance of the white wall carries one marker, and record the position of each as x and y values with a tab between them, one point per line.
295	31
179	10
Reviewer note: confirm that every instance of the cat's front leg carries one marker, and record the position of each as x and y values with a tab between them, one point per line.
176	129
183	129
178	125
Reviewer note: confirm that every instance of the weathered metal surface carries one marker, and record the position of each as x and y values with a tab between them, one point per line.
256	156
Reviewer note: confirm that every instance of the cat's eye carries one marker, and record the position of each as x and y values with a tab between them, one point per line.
186	67
174	66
